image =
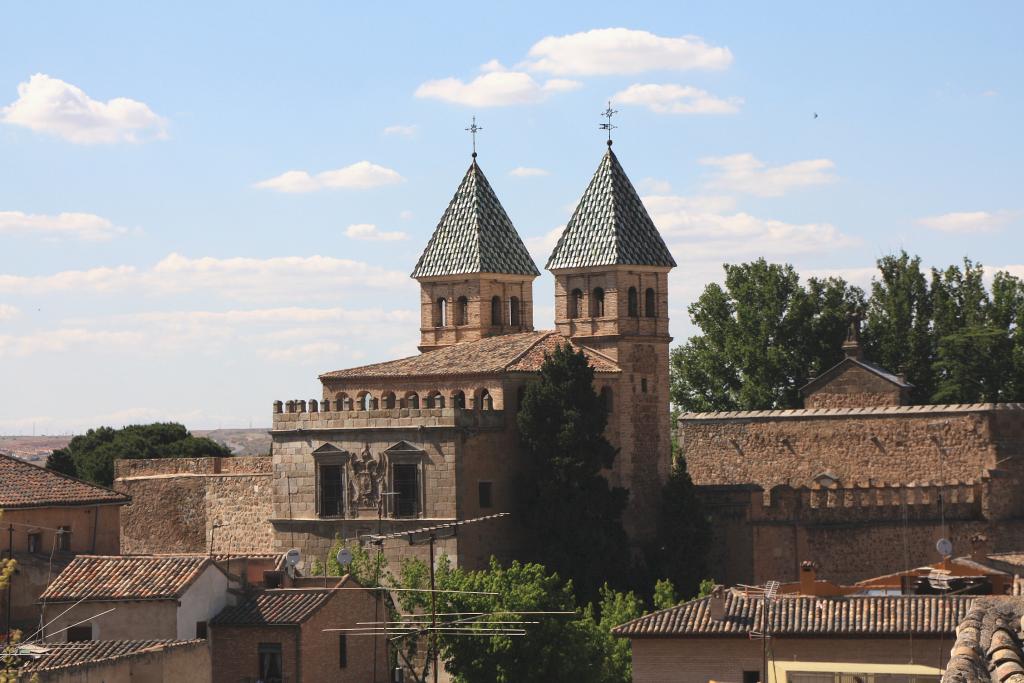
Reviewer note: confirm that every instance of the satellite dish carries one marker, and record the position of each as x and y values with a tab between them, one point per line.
293	557
945	547
344	557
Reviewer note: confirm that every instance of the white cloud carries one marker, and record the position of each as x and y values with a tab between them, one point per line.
405	131
370	233
541	246
746	173
8	312
709	228
967	222
676	99
406	215
527	172
239	278
654	186
83	226
611	51
52	106
494	88
56	341
358	176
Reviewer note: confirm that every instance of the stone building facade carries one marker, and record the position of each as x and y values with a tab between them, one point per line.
432	438
857	481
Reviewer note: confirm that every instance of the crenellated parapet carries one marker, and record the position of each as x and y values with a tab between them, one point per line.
295	415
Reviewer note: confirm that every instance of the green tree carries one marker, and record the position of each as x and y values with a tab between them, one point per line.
571	516
763	334
93	454
682	534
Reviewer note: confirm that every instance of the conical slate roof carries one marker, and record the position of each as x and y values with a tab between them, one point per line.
475	235
610	226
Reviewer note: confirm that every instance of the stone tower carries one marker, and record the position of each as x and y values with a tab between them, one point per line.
611	295
476	276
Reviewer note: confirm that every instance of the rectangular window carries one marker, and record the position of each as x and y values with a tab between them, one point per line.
484	493
79	634
406	483
64	539
751	677
35	542
342	651
271	663
201	630
332	491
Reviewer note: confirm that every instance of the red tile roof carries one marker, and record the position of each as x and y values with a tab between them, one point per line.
802	615
276	607
988	643
24	485
521	352
126	577
68	655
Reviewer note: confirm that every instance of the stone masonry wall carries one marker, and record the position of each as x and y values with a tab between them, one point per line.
176	501
854	387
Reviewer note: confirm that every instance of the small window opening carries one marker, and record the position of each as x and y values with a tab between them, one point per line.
462	311
342	651
484	490
332	490
201	630
271	664
459	399
496	311
597	303
442	312
388	400
643	385
80	634
513	311
35	542
405	481
412	400
64	539
634	306
576	304
650	306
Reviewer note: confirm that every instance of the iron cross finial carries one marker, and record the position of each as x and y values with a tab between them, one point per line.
609	126
473	130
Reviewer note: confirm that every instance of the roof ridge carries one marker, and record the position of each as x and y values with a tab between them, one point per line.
541	336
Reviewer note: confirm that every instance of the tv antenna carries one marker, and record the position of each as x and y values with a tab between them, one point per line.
768	593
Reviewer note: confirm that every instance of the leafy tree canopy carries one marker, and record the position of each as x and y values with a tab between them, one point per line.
570	514
91	456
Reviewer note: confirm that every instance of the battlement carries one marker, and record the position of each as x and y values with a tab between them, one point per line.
126	468
295	415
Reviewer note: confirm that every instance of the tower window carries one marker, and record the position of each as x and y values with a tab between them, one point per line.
496	311
459	399
442	312
513	311
650	307
332	489
643	385
576	303
462	311
412	400
597	303
634	305
387	400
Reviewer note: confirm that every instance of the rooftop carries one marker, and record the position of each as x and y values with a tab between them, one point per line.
474	235
850	412
24	485
54	656
126	577
275	607
520	352
610	226
737	615
824	377
988	643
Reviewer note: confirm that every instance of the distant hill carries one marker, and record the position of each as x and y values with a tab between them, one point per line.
36	449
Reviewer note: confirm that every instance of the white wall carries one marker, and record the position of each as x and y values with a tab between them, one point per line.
207	596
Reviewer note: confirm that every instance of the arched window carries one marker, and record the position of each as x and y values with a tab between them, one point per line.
387	401
597	303
576	303
435	399
442	312
412	400
650	306
341	401
513	311
462	311
634	304
483	400
606	396
366	401
496	311
458	399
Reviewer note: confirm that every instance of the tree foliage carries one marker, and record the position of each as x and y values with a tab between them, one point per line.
570	513
91	456
763	334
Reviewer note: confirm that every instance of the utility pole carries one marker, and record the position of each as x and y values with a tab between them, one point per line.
10	579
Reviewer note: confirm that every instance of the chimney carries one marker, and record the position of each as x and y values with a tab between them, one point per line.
808	577
716	603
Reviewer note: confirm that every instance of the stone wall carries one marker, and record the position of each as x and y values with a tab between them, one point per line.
177	501
853	386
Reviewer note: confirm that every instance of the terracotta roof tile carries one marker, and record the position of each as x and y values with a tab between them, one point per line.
799	413
475	235
610	226
24	485
276	607
521	352
870	615
126	577
988	643
67	655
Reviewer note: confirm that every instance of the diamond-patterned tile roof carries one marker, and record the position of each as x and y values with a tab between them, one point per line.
610	226
475	235
519	352
24	485
126	577
805	615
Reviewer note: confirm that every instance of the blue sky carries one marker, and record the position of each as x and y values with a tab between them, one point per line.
203	207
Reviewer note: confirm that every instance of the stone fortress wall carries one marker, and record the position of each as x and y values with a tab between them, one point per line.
177	501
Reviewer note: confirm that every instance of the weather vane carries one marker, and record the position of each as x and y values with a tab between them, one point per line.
473	130
609	126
